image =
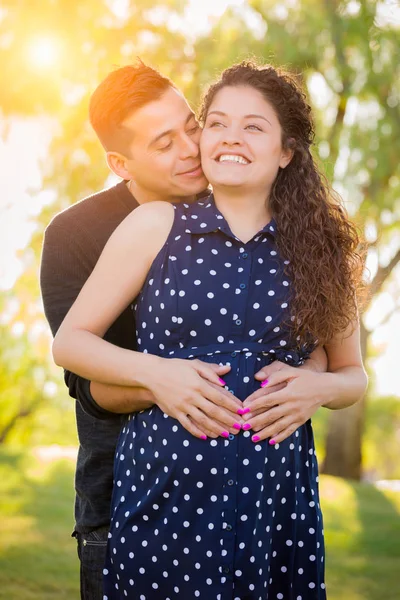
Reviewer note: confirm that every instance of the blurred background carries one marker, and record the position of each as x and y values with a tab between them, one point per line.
53	53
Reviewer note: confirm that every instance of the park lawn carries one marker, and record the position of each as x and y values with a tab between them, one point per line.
38	557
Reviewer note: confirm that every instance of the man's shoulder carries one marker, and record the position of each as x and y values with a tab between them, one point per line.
82	214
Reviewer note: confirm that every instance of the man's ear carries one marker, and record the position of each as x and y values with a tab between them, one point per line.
117	164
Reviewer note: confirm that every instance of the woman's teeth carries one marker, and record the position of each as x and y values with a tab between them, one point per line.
233	158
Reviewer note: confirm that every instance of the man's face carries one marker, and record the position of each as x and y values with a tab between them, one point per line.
164	157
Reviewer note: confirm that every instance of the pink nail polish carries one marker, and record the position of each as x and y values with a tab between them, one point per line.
255	438
272	442
237	426
221	381
246	426
264	383
243	411
203	437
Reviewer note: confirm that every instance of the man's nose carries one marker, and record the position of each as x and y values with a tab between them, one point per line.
190	147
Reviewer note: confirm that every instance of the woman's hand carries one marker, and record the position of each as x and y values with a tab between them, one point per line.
192	392
286	402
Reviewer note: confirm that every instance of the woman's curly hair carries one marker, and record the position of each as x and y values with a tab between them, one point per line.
313	231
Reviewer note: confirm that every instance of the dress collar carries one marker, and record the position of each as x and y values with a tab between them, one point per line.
204	217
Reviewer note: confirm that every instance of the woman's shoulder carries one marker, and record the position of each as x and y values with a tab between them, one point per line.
146	227
150	216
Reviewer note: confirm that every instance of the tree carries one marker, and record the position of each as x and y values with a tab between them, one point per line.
348	55
53	54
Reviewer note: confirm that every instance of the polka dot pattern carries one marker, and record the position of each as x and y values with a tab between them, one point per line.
219	519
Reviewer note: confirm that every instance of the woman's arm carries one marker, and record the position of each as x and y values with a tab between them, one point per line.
346	380
115	281
189	391
278	414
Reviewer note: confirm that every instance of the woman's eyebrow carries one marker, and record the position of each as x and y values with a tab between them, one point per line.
251	116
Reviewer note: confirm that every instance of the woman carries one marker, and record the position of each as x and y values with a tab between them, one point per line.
260	270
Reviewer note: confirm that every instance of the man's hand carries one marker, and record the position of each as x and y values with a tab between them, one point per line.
291	396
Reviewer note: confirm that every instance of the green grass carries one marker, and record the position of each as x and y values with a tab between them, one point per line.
38	557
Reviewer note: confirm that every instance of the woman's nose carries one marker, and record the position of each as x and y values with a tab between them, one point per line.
232	136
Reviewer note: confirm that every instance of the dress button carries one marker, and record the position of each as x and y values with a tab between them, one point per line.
230	482
233	354
231	391
238	322
231	437
226	570
228	527
242	286
244	255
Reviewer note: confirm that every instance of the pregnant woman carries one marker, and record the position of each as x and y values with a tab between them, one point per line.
265	268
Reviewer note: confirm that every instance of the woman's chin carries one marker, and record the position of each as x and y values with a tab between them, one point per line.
227	182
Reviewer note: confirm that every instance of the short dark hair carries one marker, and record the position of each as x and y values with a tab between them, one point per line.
123	91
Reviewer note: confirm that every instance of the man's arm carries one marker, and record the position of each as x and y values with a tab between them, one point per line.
65	266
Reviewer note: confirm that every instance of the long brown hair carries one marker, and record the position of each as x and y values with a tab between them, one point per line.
313	231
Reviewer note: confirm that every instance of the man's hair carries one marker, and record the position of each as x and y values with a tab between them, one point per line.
122	92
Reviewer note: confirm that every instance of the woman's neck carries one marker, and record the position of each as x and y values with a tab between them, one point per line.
246	213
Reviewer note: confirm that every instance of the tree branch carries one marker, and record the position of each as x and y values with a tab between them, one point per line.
381	276
389	315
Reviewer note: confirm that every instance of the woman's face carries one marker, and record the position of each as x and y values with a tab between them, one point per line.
241	141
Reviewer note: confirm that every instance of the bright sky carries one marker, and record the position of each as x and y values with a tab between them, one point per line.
24	144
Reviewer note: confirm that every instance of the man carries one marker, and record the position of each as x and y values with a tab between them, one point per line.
151	139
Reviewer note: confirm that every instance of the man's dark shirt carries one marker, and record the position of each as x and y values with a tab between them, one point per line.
73	243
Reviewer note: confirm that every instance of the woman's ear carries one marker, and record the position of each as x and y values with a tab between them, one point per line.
287	153
118	164
286	157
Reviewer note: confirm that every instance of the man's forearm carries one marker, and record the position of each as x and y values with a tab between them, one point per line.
120	399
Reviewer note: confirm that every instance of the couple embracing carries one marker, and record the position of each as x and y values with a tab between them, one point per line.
196	328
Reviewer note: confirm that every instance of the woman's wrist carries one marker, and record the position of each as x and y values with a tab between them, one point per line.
145	369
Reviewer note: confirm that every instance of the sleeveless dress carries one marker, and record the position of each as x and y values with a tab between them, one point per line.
219	519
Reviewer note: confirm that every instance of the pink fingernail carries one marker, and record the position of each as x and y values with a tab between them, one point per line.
237	426
221	381
246	426
225	434
203	437
264	383
243	411
255	438
272	442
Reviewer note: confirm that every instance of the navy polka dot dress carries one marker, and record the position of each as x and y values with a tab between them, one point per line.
219	519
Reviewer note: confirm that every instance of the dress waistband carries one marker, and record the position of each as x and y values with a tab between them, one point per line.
290	356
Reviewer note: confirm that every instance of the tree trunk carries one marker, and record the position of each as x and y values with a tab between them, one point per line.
343	457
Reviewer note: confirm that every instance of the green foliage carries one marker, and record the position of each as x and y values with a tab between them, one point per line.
347	48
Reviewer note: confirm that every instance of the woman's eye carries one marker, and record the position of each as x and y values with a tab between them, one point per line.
216	124
254	127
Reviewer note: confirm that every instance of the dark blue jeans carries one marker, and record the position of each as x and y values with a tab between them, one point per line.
92	553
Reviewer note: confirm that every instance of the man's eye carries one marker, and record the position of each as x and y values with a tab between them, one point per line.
167	147
193	129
